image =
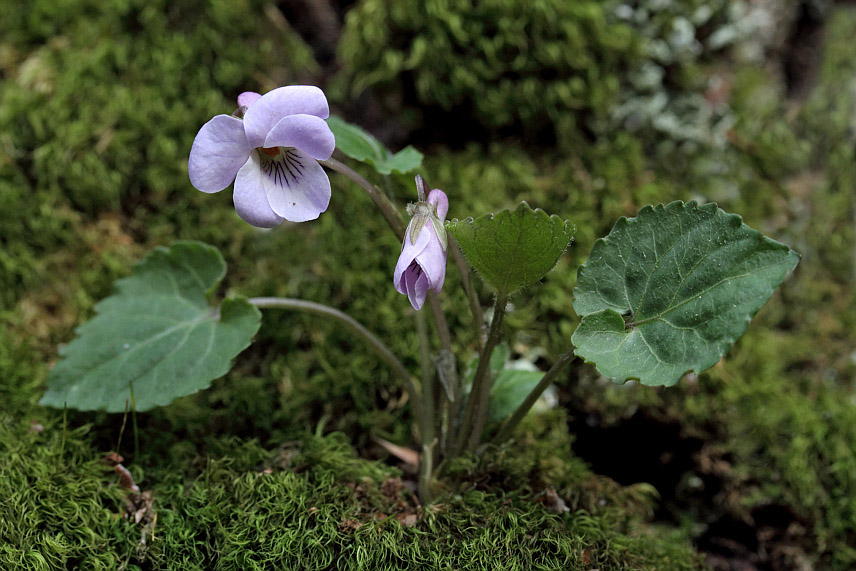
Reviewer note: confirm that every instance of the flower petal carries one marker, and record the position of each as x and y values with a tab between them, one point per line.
219	150
409	251
417	287
247	98
305	132
439	199
250	198
432	260
296	186
271	107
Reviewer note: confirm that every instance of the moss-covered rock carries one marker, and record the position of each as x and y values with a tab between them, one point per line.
505	64
311	504
59	510
569	71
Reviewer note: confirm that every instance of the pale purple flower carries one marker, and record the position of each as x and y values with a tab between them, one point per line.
271	153
422	263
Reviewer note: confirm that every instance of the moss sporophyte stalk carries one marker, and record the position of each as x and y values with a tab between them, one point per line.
160	337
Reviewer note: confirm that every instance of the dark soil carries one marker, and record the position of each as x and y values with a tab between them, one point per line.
692	476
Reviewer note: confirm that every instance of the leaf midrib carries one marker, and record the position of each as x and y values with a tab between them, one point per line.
206	316
702	292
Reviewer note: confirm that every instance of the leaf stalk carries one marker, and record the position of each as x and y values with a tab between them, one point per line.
375	344
475	414
508	426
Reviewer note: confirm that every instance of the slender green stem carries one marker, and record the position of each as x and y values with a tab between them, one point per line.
484	380
440	321
64	428
427	428
507	427
396	222
424	351
122	429
476	412
134	422
449	373
375	344
447	369
469	290
386	207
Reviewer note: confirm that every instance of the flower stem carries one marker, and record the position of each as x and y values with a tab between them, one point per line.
507	427
386	207
475	415
396	222
447	370
427	428
375	344
472	296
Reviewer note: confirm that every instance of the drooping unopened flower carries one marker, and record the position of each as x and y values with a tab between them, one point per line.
270	148
422	263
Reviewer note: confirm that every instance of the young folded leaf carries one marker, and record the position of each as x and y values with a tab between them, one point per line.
512	248
361	146
670	291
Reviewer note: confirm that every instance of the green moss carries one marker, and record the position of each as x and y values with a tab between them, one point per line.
802	432
312	504
59	510
97	118
573	71
508	63
319	507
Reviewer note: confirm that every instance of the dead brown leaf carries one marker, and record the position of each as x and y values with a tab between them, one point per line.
408	456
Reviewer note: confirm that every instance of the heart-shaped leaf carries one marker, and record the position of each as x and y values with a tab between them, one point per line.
157	335
513	248
670	291
361	146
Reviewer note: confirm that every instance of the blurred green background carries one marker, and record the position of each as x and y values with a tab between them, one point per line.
587	109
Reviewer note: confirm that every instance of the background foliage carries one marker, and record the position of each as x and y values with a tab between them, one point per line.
657	101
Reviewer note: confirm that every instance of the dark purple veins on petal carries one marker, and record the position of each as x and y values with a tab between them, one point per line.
282	167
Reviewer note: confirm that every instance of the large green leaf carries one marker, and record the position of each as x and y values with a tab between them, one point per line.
670	291
361	146
157	334
513	248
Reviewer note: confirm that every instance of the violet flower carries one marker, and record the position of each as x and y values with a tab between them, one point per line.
270	148
422	263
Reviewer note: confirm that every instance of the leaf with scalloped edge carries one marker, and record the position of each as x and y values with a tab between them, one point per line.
670	291
512	248
157	334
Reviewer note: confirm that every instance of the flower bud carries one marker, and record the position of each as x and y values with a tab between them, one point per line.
422	263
